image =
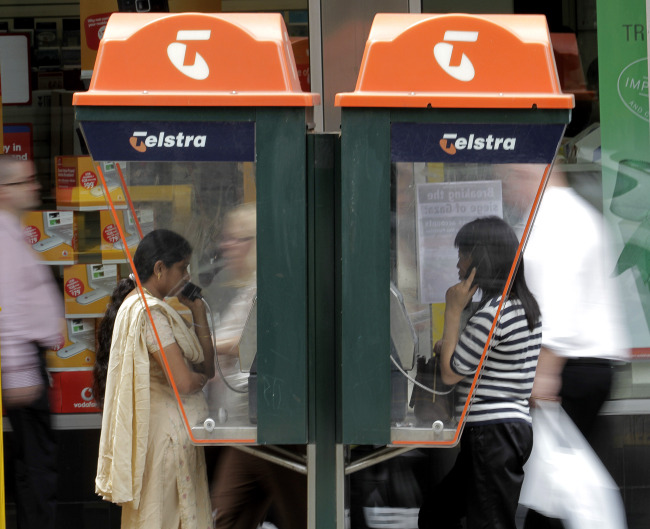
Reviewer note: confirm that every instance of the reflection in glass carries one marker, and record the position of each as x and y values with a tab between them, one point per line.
212	205
231	292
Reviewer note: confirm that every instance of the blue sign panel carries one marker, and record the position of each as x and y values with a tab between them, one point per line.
474	143
170	141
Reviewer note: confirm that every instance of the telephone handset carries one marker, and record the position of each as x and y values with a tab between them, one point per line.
469	271
478	256
404	339
191	291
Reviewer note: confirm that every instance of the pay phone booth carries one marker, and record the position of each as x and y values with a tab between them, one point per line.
200	119
454	117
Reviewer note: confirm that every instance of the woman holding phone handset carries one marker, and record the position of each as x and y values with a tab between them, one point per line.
486	479
146	461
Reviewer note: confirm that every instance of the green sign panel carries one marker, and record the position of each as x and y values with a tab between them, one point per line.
625	136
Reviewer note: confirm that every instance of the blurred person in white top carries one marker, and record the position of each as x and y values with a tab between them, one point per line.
238	252
244	486
569	268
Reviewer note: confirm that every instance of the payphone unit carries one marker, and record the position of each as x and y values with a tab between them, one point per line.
212	103
453	118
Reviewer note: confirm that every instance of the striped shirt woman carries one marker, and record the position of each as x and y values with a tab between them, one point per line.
509	368
485	482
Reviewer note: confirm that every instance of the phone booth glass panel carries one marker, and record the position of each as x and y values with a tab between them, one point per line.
431	201
212	205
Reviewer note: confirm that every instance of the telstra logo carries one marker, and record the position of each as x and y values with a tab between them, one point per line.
177	51
447	55
141	140
450	143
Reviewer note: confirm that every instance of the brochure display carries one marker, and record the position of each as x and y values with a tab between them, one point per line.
453	118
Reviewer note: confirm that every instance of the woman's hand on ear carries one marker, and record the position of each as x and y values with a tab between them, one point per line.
457	299
459	295
196	305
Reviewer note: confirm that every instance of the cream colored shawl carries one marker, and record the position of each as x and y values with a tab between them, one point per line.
125	420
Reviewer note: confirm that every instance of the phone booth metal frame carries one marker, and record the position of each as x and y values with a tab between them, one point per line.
242	84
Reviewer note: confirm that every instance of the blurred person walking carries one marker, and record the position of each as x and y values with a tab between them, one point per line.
569	270
237	280
245	488
31	318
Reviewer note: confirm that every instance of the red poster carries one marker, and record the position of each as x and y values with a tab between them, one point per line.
18	141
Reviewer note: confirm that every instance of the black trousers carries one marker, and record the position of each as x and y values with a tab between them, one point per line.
35	463
586	384
485	482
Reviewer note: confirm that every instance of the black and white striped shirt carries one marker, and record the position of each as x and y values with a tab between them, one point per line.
506	381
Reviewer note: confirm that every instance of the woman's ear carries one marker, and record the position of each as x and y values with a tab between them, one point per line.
158	269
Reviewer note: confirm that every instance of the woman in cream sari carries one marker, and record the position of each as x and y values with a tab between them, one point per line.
147	463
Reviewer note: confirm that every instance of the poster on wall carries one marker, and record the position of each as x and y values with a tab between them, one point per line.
442	210
625	136
17	141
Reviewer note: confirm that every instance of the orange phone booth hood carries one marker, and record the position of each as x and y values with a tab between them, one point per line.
458	61
195	59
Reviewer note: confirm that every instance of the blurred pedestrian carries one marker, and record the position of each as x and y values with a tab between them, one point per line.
31	312
245	488
237	280
569	269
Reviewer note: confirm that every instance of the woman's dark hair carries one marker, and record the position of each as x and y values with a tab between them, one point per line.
158	245
492	246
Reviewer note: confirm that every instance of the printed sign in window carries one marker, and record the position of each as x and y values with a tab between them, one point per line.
442	209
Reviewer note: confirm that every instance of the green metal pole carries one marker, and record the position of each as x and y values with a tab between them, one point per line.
323	164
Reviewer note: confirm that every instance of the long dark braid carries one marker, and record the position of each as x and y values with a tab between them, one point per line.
158	245
104	338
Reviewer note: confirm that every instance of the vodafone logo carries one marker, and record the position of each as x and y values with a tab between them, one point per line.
177	52
87	394
451	143
451	59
